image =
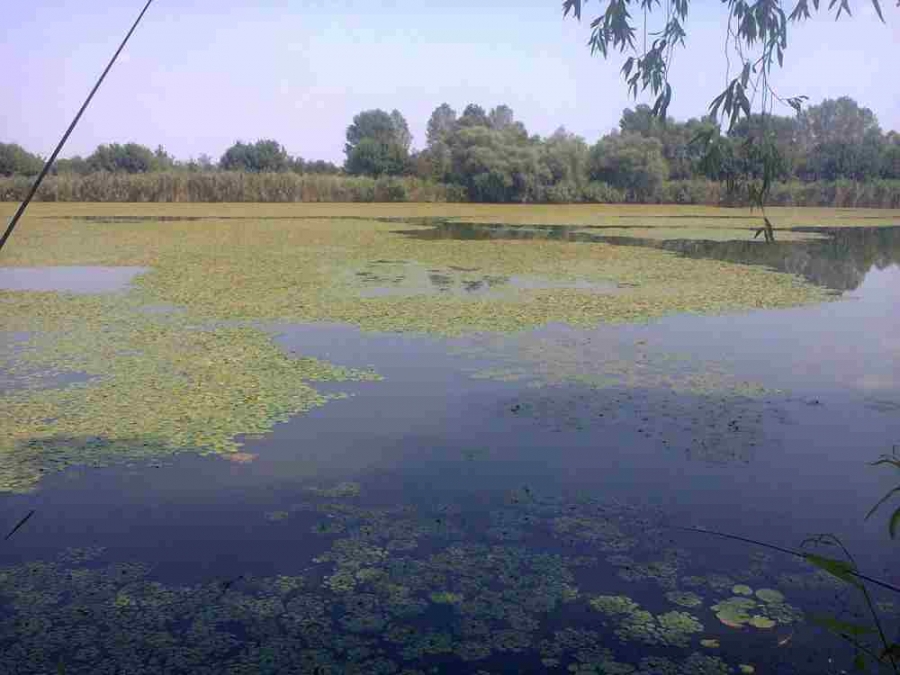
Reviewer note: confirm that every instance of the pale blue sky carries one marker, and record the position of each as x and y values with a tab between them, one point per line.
200	74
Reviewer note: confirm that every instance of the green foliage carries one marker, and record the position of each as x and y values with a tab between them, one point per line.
261	156
16	161
227	186
495	165
373	157
318	166
630	162
377	144
834	154
441	124
894	522
73	165
127	158
756	36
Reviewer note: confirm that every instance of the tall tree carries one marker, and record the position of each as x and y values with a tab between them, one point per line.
441	124
631	162
474	116
377	144
501	117
15	160
262	156
566	157
376	125
127	158
836	120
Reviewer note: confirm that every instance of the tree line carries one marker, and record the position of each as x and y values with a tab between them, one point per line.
489	156
263	156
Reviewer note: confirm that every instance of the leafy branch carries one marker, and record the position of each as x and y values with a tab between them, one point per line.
757	31
894	522
882	654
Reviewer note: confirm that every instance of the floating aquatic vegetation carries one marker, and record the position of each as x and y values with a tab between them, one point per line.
614	604
710	643
313	278
162	386
577	381
339	491
770	595
368	604
741	589
276	516
684	598
634	624
767	612
81	555
663	572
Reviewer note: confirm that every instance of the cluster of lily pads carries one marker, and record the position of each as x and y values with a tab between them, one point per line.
393	589
763	609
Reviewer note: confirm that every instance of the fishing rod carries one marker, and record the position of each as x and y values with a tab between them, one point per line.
49	163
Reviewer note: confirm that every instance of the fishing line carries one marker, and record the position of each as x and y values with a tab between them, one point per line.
49	163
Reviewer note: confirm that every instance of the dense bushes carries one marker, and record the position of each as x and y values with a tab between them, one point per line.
227	186
15	160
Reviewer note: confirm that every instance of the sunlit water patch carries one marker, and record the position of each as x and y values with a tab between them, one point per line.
68	279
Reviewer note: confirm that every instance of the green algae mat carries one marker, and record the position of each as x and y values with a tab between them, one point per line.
177	361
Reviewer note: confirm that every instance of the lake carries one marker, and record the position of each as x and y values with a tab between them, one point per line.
324	439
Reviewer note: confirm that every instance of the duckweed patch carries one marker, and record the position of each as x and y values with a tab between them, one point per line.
305	270
159	385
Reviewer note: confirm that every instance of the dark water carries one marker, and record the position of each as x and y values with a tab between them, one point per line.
489	489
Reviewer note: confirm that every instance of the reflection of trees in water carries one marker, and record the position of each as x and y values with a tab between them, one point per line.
839	262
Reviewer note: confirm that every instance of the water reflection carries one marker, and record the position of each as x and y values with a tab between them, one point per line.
407	278
839	260
68	279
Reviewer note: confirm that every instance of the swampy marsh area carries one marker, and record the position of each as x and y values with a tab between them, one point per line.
397	438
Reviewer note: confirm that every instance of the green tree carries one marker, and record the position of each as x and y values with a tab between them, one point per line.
783	131
15	160
401	130
890	156
682	155
566	158
832	160
630	162
371	157
119	158
262	156
474	116
377	144
73	165
501	117
836	120
496	165
441	124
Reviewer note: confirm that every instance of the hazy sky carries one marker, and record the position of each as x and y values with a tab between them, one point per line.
200	74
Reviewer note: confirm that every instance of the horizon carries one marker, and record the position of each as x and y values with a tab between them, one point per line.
306	76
